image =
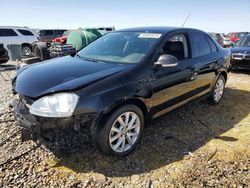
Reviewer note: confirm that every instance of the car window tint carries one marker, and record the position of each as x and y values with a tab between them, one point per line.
49	32
212	45
176	46
200	44
58	32
25	32
7	33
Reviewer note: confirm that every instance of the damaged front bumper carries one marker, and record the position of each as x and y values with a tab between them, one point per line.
33	126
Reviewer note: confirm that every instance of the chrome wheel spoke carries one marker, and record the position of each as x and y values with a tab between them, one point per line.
116	129
120	120
127	118
123	143
115	137
119	142
132	121
133	127
132	134
129	139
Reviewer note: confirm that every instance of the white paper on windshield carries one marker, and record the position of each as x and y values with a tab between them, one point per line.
150	35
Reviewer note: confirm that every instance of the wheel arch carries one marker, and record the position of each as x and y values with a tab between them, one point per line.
223	73
134	101
26	44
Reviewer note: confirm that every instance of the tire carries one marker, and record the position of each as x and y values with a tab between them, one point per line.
26	50
114	139
41	50
218	91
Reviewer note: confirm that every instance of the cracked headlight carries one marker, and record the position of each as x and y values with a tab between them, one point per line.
57	105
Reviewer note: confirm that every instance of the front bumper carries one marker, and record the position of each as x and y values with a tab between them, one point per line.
34	126
240	61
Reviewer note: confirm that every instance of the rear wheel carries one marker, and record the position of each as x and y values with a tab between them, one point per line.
218	90
121	132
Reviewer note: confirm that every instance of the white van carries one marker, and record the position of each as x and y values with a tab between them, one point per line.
18	35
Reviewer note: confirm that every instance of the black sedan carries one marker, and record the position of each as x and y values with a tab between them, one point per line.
120	82
4	57
241	54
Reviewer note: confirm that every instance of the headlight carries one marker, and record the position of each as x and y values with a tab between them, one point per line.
57	105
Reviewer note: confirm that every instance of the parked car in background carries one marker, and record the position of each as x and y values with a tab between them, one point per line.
4	57
18	35
216	37
241	54
47	35
63	38
101	30
106	29
235	36
119	82
221	38
225	41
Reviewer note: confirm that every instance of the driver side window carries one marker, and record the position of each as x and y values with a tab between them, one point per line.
176	46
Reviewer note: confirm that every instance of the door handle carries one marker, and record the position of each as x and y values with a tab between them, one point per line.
194	76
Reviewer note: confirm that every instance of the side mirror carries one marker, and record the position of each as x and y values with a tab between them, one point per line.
166	60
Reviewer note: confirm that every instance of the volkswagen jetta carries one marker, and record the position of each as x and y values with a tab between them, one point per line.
119	82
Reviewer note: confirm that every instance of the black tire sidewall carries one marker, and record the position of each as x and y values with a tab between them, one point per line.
103	130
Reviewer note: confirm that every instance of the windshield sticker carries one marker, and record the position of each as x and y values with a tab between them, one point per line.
150	35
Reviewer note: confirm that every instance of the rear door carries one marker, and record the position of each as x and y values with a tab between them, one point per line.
205	57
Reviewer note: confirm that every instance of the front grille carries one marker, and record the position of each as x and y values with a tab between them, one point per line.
237	56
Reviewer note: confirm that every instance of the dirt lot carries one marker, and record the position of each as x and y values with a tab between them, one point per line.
196	146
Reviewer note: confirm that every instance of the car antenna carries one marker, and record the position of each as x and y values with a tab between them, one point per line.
186	19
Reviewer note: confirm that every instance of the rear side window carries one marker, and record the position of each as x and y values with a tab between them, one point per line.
59	32
212	45
49	32
7	33
25	32
200	44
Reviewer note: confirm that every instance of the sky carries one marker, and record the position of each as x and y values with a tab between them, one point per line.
208	15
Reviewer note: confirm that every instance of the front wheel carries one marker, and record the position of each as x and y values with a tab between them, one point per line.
121	132
218	90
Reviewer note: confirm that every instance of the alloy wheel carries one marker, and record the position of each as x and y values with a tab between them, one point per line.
124	132
219	89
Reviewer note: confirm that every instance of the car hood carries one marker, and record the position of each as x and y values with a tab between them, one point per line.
62	74
240	49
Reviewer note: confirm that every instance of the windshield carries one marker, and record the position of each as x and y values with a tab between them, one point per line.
244	41
121	47
239	35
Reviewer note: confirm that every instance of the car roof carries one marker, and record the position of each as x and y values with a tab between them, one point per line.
14	27
156	29
51	29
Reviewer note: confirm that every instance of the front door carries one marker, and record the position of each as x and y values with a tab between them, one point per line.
175	86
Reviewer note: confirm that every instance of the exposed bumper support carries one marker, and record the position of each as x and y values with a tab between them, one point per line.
33	126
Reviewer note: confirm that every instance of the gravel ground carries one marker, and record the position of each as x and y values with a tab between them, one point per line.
196	146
